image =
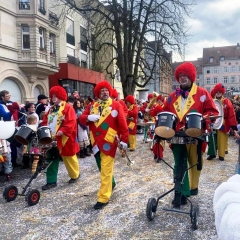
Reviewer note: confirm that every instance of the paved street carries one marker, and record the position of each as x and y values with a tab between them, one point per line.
66	212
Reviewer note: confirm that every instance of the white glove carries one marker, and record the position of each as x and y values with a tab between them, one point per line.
93	117
147	110
124	145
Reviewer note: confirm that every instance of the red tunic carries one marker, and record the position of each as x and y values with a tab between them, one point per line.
67	144
111	123
132	124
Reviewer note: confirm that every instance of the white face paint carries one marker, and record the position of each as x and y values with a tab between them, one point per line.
183	80
218	94
55	100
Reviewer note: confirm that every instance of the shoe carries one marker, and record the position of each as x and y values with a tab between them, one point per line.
73	180
99	205
82	155
131	150
221	158
8	177
226	152
176	203
211	157
86	153
194	192
49	186
113	186
15	165
158	160
155	157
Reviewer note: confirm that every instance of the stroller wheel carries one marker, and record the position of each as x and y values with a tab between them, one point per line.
194	216
10	193
33	197
151	208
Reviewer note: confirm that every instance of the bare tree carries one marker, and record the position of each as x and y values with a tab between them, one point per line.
123	27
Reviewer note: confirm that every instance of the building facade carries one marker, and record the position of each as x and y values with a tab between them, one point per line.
28	48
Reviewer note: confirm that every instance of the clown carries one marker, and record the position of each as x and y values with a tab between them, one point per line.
188	98
132	121
61	119
106	121
221	142
114	95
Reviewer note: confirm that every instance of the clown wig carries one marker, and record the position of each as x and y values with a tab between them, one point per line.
150	96
187	69
60	93
219	87
130	99
101	85
114	93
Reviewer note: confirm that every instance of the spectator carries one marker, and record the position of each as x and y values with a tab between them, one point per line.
42	104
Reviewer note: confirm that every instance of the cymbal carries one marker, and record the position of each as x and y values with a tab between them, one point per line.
212	117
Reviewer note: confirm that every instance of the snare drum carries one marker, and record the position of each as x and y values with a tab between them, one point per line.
194	124
182	140
166	124
44	135
25	135
13	141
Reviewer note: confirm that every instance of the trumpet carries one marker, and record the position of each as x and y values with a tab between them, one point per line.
124	154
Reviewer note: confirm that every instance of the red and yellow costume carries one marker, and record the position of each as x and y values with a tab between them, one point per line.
103	134
132	121
228	122
114	95
198	100
66	144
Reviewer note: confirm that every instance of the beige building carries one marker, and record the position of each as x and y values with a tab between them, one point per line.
28	48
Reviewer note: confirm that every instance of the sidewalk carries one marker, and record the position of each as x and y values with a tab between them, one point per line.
66	212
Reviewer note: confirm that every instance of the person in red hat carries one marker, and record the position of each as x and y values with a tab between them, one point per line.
229	122
132	121
108	128
187	99
61	119
114	95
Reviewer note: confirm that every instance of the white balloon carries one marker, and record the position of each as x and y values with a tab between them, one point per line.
6	129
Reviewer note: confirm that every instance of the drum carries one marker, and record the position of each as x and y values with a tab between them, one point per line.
166	124
182	140
194	124
13	141
44	135
25	135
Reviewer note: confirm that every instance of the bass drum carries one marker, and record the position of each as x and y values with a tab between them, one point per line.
219	121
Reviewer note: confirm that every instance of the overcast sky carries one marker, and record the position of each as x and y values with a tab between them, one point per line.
213	23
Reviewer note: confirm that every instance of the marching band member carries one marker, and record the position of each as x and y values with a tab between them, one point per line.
229	122
114	95
188	98
132	121
158	146
5	159
61	119
106	121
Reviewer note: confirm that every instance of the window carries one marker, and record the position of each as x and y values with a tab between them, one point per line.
52	43
208	70
215	80
215	70
83	38
232	69
25	38
225	69
233	79
222	58
225	79
70	32
211	59
24	5
83	60
42	39
41	6
208	81
70	51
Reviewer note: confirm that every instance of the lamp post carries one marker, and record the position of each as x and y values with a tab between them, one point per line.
155	70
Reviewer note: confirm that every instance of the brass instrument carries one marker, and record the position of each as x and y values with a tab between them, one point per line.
147	116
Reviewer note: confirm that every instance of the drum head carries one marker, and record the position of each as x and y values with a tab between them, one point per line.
164	132
193	132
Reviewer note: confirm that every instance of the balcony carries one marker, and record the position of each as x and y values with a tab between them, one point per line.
70	39
24	5
41	9
53	18
73	60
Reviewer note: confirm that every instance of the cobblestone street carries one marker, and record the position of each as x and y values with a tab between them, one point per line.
66	212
